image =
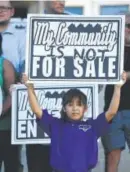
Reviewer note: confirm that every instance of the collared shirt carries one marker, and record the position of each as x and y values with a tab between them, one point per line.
73	144
13	46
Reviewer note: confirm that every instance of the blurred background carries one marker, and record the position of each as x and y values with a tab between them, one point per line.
82	7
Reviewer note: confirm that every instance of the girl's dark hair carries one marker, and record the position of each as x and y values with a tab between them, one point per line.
69	96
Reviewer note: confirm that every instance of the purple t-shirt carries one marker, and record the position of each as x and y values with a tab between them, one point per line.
74	145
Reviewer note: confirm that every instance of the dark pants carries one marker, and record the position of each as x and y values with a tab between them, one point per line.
38	158
9	154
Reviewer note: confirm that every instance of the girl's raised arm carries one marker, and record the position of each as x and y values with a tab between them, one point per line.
32	97
113	108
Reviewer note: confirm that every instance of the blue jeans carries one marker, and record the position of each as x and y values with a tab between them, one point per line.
119	132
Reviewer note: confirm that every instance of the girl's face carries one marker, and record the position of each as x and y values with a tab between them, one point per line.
75	110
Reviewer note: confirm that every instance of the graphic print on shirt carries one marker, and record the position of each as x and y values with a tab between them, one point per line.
85	127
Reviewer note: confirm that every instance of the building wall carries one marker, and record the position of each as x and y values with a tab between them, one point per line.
96	7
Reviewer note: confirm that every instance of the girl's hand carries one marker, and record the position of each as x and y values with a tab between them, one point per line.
25	81
124	78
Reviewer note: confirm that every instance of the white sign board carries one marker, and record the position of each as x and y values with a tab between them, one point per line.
75	48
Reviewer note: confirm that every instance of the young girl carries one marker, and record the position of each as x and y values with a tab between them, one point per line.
73	142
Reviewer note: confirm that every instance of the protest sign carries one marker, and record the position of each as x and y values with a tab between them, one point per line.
24	126
75	48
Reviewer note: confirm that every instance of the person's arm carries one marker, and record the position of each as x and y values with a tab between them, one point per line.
32	97
114	104
101	123
108	96
9	79
33	101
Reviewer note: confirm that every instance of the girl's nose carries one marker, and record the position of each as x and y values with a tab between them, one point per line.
74	107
